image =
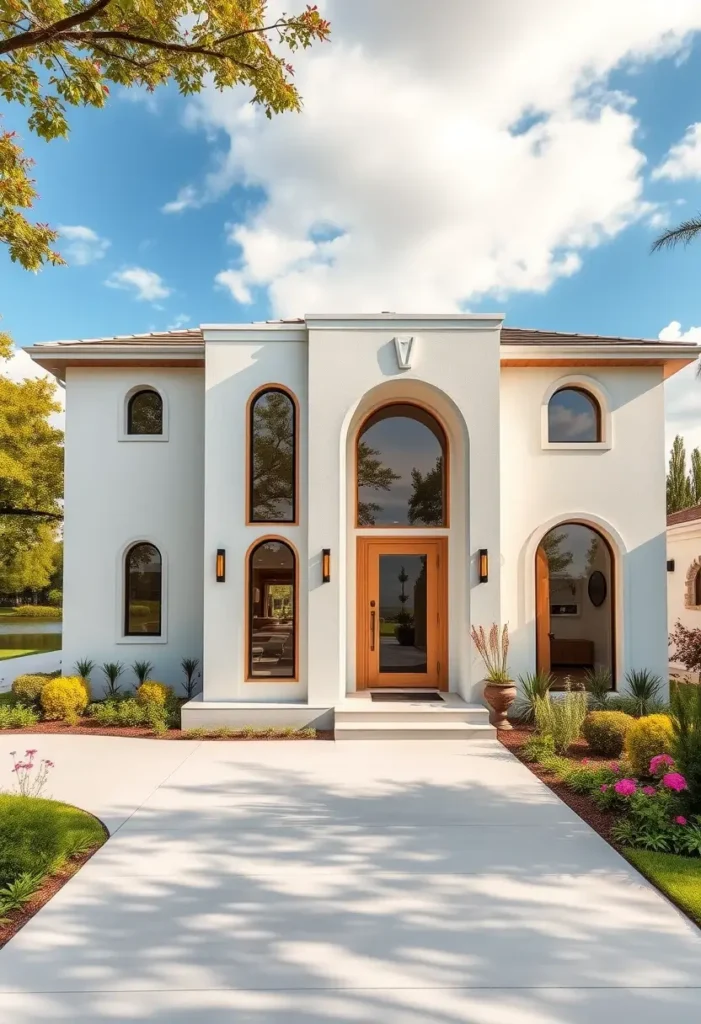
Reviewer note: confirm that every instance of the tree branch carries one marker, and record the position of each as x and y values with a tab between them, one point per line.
90	36
9	510
41	35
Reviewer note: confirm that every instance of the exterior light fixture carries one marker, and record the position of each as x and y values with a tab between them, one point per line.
326	565
484	565
670	565
221	565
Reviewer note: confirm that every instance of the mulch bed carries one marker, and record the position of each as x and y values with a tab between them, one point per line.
143	732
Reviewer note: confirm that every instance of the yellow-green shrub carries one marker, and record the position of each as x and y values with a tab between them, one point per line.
152	692
64	697
646	738
85	683
29	687
605	731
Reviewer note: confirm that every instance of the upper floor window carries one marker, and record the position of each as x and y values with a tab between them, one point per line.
272	485
574	417
145	413
143	597
401	460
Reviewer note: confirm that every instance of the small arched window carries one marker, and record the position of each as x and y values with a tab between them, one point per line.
145	412
272	484
401	460
574	417
272	612
143	596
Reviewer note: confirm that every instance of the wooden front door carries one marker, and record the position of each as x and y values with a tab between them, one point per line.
402	612
542	610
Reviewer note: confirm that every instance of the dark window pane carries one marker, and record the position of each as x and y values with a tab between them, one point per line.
401	469
273	458
697	589
573	417
145	413
143	591
403	613
272	612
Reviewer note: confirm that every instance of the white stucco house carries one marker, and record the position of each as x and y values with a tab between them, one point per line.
319	509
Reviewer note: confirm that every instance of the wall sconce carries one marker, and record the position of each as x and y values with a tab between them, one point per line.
326	565
483	565
670	565
221	565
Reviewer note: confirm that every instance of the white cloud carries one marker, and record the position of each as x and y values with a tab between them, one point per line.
84	245
684	158
430	167
180	321
683	392
144	284
20	367
185	198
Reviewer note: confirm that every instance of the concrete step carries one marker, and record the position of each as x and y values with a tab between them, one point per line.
372	729
399	713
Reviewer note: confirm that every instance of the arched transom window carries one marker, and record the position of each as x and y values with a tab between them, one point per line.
143	591
574	417
272	611
401	463
145	412
272	485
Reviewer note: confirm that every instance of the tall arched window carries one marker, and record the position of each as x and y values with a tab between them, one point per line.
145	413
272	611
143	591
401	460
272	484
574	417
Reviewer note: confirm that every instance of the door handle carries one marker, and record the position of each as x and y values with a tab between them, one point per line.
372	629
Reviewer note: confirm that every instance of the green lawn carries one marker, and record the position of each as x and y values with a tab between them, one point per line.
9	652
677	877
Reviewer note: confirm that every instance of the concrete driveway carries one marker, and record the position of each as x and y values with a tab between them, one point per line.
298	883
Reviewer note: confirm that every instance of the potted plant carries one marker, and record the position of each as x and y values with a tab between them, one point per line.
499	687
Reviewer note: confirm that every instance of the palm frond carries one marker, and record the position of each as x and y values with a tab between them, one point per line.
683	234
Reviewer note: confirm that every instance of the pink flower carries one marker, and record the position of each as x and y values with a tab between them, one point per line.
604	788
585	760
625	787
675	781
649	790
49	764
680	819
30	753
657	762
615	767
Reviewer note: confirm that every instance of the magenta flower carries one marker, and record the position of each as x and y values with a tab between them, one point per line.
680	819
615	767
585	760
649	790
661	760
675	781
30	753
604	788
625	787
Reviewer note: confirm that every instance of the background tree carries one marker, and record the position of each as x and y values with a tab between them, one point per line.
686	644
375	476
426	501
682	234
695	477
27	557
678	487
60	53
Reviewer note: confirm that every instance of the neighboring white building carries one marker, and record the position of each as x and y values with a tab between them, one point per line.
684	570
213	508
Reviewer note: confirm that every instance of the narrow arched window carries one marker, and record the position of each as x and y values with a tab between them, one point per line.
272	484
697	589
143	591
145	413
401	460
574	417
272	611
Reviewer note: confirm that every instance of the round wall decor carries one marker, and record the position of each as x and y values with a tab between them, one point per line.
596	588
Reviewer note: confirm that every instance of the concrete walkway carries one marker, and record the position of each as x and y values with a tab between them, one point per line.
363	883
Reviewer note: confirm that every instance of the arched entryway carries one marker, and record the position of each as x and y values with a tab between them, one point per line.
575	602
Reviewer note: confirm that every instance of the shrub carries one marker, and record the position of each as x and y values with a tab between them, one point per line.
537	747
142	670
65	698
647	737
17	716
598	684
83	667
112	670
532	685
189	667
562	718
605	732
29	687
36	611
119	712
686	723
151	692
55	598
643	693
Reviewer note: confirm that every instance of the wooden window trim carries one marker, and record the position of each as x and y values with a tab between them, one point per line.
126	575
248	677
387	404
249	520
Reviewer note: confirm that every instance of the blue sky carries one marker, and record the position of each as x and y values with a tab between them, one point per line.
402	185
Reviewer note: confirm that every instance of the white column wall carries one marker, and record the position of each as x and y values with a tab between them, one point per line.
118	492
233	371
621	490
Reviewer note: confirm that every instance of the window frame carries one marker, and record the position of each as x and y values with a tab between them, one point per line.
121	596
123	427
428	411
248	616
595	391
250	410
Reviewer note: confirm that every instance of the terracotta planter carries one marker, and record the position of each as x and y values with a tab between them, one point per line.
500	697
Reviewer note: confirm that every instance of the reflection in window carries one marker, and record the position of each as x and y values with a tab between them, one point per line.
574	417
403	613
273	456
272	611
145	413
401	469
142	590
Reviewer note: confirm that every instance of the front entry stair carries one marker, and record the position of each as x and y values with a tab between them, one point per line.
360	718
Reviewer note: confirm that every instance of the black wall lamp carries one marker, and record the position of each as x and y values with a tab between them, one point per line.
221	565
483	565
670	565
326	565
